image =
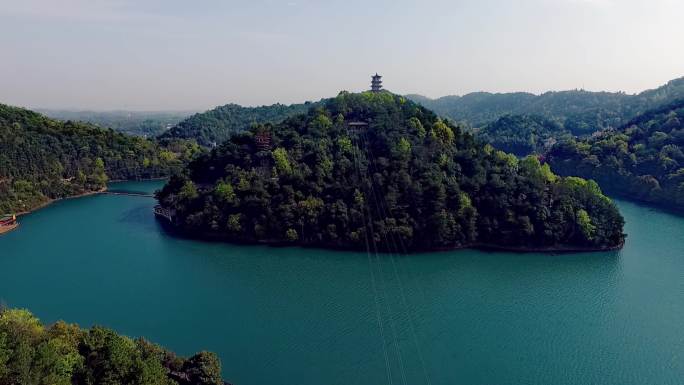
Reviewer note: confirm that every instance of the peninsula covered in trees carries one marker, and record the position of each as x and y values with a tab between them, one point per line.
64	354
642	160
43	159
377	167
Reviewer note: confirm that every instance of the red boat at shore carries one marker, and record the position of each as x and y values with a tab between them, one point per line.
8	223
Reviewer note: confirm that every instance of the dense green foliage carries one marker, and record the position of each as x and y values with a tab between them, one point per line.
42	158
579	112
215	126
523	134
64	354
139	123
414	180
643	160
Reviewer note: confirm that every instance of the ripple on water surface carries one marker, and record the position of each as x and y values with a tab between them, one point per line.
290	315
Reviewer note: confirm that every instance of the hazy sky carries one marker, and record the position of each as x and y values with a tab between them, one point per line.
180	54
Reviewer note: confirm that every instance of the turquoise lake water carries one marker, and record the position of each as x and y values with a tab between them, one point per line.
310	317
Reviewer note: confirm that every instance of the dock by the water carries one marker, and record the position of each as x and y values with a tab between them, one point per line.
129	193
162	212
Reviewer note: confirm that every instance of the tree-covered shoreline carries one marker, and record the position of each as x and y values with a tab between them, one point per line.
408	176
42	159
65	354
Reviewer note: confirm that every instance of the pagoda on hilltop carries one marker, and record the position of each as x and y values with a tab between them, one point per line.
376	83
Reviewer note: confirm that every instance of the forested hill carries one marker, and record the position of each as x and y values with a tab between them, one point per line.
523	134
64	354
414	181
43	159
643	160
215	126
579	112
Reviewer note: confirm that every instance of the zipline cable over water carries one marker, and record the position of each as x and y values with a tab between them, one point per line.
385	212
371	189
393	245
372	274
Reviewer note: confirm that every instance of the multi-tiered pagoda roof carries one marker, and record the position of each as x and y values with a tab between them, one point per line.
376	83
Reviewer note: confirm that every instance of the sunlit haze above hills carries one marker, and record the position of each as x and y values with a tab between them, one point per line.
164	55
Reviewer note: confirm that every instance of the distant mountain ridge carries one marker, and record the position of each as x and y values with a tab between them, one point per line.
576	112
580	112
139	123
